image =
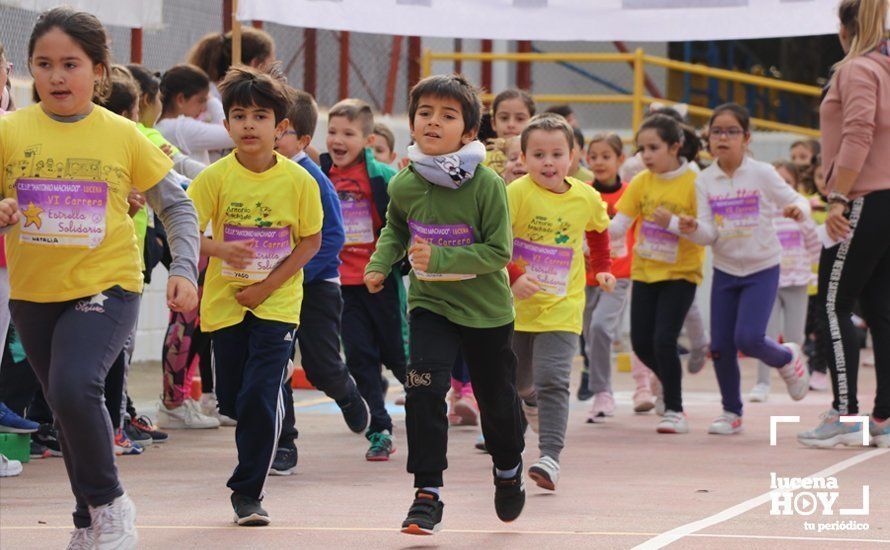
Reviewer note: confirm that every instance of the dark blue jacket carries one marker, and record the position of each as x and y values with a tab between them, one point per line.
325	264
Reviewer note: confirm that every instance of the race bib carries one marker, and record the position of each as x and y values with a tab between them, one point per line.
270	245
656	243
736	217
63	213
357	222
442	235
793	251
550	265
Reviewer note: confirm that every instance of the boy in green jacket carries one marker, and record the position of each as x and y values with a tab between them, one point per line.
449	214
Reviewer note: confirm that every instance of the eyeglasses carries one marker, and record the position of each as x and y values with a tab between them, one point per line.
731	133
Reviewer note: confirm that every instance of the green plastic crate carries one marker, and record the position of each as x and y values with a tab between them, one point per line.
16	446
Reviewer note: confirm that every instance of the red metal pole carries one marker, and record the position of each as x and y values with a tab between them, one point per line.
310	63
413	61
393	74
344	65
135	45
486	66
458	48
257	24
227	15
524	68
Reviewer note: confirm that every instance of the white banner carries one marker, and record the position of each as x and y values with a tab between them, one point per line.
592	20
146	14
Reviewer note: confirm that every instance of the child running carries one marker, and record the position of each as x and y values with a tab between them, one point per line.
738	199
552	215
510	112
450	215
75	285
666	268
266	216
372	323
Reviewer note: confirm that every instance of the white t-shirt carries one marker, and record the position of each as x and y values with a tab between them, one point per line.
193	137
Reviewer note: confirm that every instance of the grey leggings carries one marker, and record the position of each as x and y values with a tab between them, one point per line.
789	318
71	345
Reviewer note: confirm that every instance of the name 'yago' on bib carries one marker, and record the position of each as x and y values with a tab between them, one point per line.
656	243
63	213
357	221
271	245
550	265
459	234
736	217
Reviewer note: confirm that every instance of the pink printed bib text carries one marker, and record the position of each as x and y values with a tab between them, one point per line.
357	222
442	235
271	246
656	243
62	213
736	217
550	265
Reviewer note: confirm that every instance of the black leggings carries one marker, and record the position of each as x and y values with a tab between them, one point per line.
858	269
657	312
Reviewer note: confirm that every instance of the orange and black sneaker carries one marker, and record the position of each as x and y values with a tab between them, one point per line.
425	514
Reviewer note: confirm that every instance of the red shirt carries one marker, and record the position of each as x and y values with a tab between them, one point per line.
620	265
360	220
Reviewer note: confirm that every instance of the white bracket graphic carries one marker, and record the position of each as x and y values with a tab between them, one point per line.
866	437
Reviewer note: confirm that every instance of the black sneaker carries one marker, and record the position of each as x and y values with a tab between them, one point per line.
509	495
47	436
145	424
425	514
285	462
381	447
248	511
39	451
584	392
355	413
136	435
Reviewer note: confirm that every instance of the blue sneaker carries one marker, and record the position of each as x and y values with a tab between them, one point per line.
832	432
12	423
879	432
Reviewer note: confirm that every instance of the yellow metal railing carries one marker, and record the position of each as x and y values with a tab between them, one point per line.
638	98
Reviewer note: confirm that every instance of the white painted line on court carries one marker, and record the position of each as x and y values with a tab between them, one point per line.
685	530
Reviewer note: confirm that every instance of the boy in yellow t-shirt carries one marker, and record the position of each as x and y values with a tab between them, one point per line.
266	218
551	215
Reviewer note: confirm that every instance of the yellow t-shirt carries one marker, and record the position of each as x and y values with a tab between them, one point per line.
71	180
496	160
548	230
658	254
275	209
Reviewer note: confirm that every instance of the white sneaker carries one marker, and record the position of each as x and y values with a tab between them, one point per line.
9	468
545	472
531	414
697	358
114	524
186	416
727	423
210	407
673	423
795	373
759	393
82	539
603	406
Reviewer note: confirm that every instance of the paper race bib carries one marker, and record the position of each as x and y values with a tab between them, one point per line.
357	221
736	217
656	243
62	213
442	235
550	265
271	245
793	251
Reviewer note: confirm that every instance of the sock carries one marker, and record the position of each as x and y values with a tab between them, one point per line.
431	490
506	474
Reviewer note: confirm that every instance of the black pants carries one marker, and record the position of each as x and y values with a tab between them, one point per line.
319	340
372	335
18	383
250	360
435	343
858	269
657	312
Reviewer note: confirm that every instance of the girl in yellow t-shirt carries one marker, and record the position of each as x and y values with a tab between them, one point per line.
666	266
552	216
68	166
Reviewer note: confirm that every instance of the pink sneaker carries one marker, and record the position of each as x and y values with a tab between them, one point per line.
818	381
465	411
644	401
603	406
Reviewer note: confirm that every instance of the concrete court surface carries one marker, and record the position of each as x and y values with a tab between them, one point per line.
622	485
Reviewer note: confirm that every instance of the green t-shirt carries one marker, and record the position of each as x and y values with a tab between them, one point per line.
472	239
